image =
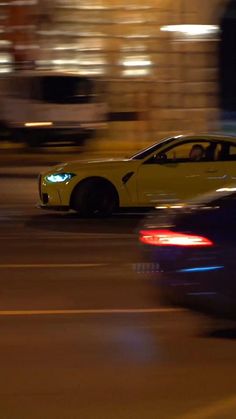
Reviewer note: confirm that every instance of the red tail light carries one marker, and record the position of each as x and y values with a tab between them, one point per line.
172	238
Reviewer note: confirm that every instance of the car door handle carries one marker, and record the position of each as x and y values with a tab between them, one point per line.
211	171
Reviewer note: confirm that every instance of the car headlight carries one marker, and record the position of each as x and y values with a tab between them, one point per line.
59	177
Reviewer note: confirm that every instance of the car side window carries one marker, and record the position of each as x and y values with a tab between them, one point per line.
189	152
228	152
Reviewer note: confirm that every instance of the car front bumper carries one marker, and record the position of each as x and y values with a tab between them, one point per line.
54	207
54	195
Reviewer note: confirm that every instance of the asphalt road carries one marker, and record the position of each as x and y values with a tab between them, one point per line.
83	334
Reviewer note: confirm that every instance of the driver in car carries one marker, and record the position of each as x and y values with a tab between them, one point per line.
197	152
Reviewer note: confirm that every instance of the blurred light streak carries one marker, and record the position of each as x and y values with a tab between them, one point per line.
136	62
202	269
192	30
38	124
226	190
135	72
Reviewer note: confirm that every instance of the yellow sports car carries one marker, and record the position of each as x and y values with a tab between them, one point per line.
172	170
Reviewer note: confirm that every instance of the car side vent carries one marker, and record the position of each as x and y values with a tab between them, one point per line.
126	177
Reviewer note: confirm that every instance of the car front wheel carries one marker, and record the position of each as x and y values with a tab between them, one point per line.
94	198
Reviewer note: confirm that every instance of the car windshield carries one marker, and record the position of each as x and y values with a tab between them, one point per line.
149	150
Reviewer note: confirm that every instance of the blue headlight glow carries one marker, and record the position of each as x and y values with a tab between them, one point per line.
202	269
59	177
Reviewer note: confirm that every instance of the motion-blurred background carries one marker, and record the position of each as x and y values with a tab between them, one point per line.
162	67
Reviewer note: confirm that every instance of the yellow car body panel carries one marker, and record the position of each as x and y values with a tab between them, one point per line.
59	194
161	174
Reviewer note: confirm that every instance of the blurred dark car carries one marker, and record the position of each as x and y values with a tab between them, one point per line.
193	248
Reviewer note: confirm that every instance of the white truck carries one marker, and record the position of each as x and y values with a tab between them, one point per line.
47	107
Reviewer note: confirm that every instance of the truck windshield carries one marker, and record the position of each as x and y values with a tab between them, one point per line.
62	89
54	89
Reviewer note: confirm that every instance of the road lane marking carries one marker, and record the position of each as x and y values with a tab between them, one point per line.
218	409
136	267
51	265
89	311
65	236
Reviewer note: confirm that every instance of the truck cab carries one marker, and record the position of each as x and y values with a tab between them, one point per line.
52	107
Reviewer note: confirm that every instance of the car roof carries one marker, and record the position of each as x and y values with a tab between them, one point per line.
207	136
191	136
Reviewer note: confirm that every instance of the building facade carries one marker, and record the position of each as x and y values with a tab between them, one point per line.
159	59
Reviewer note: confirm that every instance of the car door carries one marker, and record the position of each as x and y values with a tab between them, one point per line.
221	171
227	161
173	176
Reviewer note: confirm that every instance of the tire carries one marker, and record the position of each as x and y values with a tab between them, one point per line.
94	198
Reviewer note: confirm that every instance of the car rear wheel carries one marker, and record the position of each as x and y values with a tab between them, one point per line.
94	198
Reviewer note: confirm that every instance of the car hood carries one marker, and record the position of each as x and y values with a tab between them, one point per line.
102	164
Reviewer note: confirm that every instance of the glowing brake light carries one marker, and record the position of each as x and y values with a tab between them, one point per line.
172	238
